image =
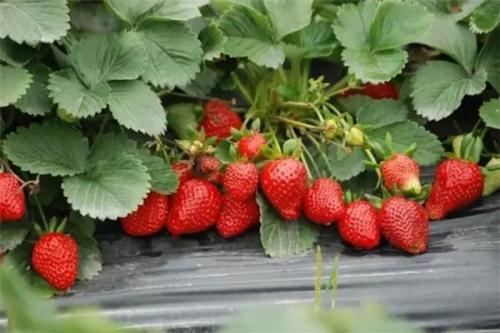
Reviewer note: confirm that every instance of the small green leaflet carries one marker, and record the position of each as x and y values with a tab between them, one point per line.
163	179
135	106
489	60
372	35
486	17
429	149
440	86
203	83
212	41
36	101
250	34
67	90
453	39
110	188
280	13
14	83
172	50
315	40
114	56
284	238
13	233
182	120
490	113
33	21
15	54
48	149
378	113
346	164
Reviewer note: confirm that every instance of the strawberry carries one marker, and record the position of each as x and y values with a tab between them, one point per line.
376	91
55	258
219	119
404	224
149	218
250	146
195	207
241	180
457	184
360	226
208	164
323	202
401	173
237	216
12	202
215	177
184	170
284	183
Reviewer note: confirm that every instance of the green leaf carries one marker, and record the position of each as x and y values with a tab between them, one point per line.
33	21
440	86
490	113
15	54
203	83
163	179
14	83
345	164
36	101
284	238
48	149
374	67
173	53
353	103
315	40
429	149
135	106
486	17
90	257
133	11
110	188
249	34
74	97
13	233
453	39
212	41
388	31
489	60
378	113
353	22
108	57
281	11
182	119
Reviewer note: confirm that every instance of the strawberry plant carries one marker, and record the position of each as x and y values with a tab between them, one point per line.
189	116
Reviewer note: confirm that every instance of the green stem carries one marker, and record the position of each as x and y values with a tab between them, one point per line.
241	87
341	84
322	153
40	212
297	123
297	105
372	159
313	162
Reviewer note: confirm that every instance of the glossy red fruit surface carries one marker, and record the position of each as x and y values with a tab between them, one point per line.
184	170
284	183
323	202
194	208
360	226
237	216
55	258
12	201
241	180
149	218
401	173
250	146
219	119
405	224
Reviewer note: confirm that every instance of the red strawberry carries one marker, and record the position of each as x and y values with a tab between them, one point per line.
208	164
359	226
195	207
237	216
401	173
376	91
184	170
55	258
219	119
12	202
241	180
457	184
215	177
323	203
405	224
251	145
284	182
149	218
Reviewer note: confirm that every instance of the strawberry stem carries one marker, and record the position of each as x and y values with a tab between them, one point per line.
40	212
